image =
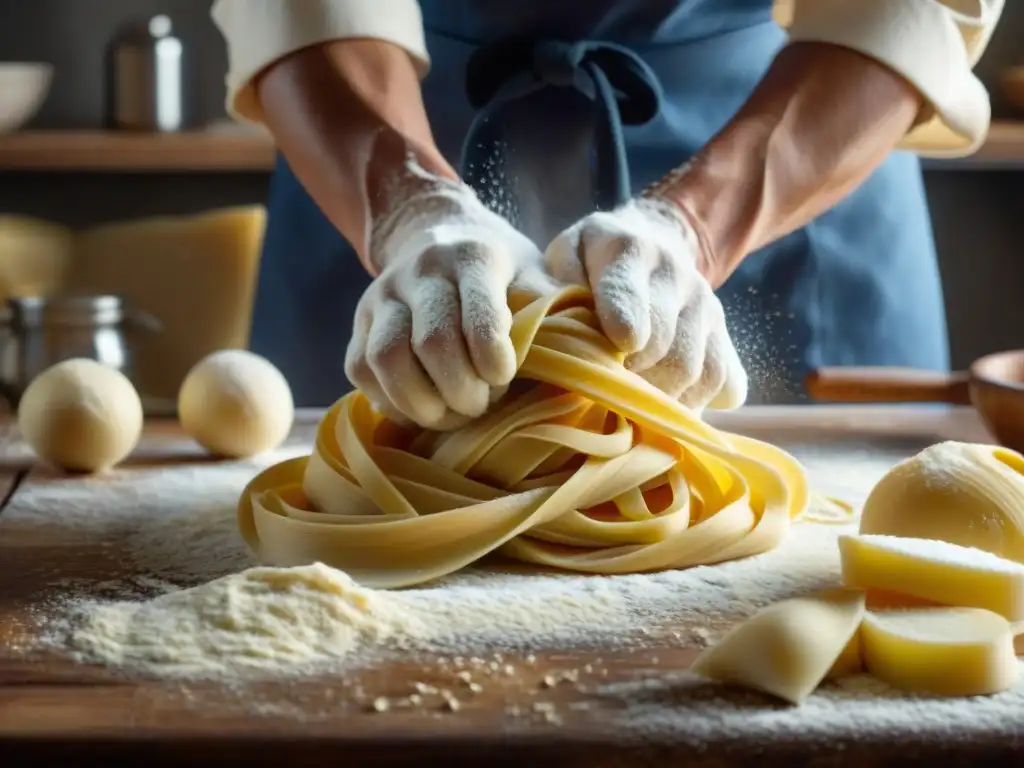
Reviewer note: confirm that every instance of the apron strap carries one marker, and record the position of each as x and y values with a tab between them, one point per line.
624	89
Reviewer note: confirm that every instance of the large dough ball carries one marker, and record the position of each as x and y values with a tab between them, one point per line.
81	415
236	403
963	493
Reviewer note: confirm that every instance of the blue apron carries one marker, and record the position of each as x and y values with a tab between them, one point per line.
646	85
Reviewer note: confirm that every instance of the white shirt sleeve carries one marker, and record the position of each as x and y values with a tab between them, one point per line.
934	44
260	32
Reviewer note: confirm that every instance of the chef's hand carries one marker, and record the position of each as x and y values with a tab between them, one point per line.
431	342
641	263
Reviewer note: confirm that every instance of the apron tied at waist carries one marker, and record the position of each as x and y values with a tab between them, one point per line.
624	89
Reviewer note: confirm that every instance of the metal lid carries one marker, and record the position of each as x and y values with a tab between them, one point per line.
148	31
83	311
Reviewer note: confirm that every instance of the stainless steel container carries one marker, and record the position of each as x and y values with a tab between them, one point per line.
145	78
38	333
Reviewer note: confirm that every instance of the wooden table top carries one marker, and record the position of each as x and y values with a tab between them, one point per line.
54	708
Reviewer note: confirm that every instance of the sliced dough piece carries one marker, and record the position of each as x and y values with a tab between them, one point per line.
940	651
935	570
788	648
965	493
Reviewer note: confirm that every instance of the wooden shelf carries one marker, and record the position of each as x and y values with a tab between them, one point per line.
108	151
1003	150
230	152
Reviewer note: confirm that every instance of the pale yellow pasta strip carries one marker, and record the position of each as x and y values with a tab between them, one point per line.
582	466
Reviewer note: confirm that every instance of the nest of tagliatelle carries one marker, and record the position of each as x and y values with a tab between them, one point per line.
581	466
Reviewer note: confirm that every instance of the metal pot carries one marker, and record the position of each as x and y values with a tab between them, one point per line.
40	332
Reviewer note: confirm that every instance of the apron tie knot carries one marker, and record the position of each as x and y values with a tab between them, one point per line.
556	63
623	88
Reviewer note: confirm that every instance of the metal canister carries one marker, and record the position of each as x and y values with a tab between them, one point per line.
40	332
145	78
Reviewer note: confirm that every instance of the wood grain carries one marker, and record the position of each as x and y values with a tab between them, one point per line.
213	152
54	709
135	152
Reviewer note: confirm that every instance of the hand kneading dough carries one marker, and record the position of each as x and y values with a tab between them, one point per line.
963	493
81	415
236	403
940	651
583	465
936	571
788	648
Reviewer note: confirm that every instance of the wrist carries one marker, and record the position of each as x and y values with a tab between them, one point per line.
416	205
345	115
721	195
401	180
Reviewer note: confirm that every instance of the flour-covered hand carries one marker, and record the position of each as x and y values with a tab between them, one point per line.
641	263
431	341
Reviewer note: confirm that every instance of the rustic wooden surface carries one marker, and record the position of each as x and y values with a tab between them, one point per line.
54	709
245	152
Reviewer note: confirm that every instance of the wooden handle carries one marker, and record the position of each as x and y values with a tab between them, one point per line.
887	385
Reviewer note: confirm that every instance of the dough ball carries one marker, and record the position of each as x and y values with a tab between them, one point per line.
963	493
236	403
81	415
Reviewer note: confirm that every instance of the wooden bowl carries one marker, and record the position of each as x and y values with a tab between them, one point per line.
997	392
994	385
1011	83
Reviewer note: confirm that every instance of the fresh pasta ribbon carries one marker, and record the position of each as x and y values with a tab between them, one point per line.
581	466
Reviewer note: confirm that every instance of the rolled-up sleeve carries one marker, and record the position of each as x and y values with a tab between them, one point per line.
260	32
934	44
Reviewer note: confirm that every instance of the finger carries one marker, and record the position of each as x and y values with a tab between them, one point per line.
390	356
438	343
622	291
713	371
734	391
358	370
487	322
562	258
535	281
667	300
682	364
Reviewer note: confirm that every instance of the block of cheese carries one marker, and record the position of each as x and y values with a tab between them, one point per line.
934	570
35	256
788	648
940	651
196	274
849	661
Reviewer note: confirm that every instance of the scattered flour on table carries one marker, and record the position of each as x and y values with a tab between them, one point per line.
171	529
847	711
277	620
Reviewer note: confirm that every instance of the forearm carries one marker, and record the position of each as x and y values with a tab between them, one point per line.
346	115
822	119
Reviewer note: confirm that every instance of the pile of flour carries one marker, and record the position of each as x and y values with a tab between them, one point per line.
261	618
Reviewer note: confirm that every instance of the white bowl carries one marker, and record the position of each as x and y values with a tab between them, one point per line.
23	88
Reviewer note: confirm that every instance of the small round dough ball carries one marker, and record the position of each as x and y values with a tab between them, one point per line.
236	403
964	493
81	415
